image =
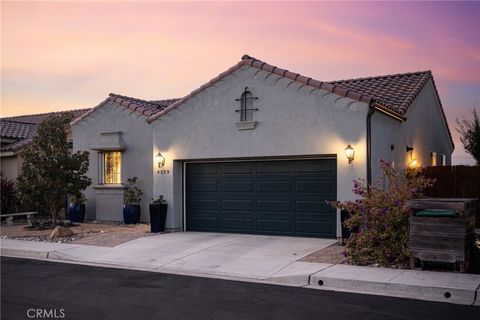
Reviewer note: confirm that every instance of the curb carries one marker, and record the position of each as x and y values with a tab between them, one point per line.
430	293
318	281
463	289
21	253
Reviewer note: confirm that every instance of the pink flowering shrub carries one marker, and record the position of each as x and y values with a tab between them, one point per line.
379	218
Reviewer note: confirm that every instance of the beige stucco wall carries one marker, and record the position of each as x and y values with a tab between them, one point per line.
292	120
11	166
137	159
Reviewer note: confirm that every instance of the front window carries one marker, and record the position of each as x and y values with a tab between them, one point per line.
433	156
112	162
444	160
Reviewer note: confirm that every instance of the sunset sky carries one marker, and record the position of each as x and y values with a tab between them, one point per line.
66	55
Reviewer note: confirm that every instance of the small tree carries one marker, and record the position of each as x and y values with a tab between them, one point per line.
379	218
470	135
50	171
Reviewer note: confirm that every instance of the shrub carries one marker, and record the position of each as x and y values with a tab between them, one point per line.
9	195
379	218
132	195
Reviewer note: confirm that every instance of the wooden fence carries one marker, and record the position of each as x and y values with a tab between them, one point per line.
455	182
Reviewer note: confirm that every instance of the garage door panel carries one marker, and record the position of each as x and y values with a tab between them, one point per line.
314	187
274	186
204	186
202	169
202	223
285	197
237	205
238	224
274	226
312	207
237	168
266	167
237	186
203	204
274	206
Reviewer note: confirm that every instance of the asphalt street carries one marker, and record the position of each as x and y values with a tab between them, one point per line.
33	289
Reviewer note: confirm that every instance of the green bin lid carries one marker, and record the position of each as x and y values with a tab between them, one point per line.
437	213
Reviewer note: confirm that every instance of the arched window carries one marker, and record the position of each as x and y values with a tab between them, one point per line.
246	106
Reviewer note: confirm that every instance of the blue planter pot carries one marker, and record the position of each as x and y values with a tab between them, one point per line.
131	213
76	212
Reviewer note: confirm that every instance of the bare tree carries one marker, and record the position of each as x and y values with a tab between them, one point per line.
470	135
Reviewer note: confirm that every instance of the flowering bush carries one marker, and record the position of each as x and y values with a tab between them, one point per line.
379	218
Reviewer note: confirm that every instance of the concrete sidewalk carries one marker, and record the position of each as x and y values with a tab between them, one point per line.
255	259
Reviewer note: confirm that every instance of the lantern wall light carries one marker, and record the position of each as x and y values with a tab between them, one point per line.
160	159
350	153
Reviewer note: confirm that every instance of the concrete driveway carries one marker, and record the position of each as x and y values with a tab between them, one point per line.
252	256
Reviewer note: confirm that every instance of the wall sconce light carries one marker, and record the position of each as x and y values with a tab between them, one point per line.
160	159
350	153
412	164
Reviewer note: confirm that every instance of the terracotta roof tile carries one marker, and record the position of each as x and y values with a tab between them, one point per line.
395	92
303	79
23	128
291	75
146	108
37	118
16	130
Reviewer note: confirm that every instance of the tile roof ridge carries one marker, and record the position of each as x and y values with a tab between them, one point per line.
393	75
115	95
331	87
259	64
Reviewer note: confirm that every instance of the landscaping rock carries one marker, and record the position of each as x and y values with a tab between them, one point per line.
60	231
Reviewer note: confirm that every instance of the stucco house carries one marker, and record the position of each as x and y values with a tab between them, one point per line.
15	134
259	149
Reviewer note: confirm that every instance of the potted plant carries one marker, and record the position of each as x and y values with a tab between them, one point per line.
131	202
76	208
158	214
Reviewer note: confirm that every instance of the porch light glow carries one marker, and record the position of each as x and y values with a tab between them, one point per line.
160	159
413	164
350	153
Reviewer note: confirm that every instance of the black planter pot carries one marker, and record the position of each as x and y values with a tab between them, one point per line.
76	212
158	215
131	213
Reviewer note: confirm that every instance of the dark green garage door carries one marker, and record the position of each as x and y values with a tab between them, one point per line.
262	197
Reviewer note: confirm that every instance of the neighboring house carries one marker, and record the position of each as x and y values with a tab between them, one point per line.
17	133
260	149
